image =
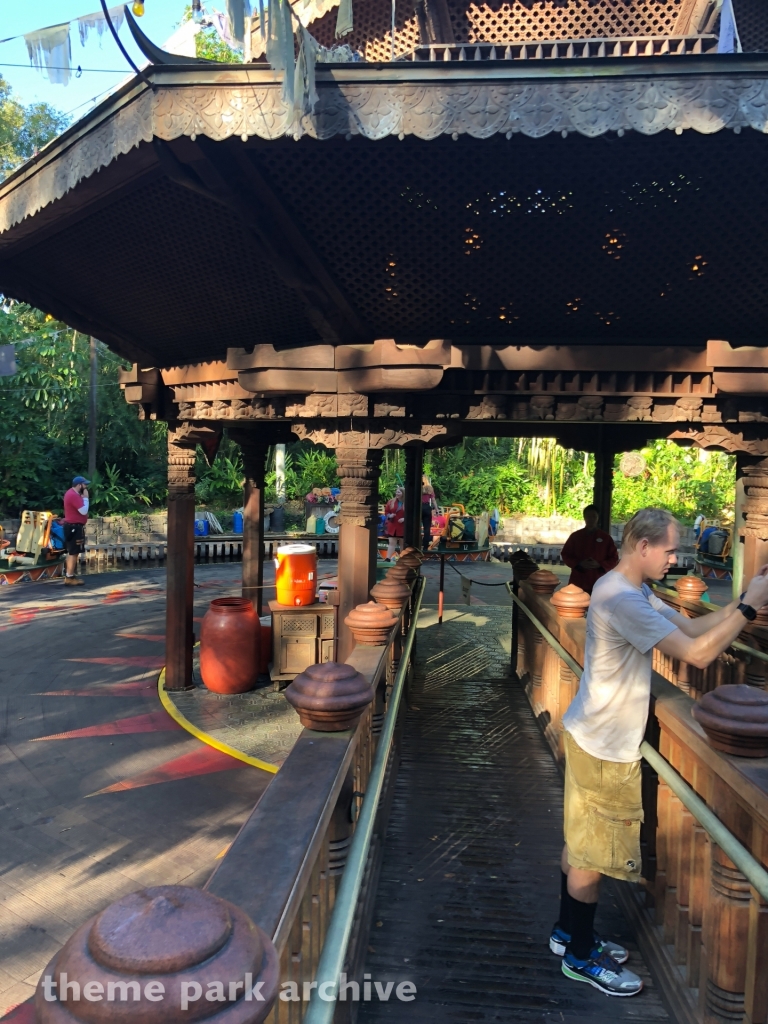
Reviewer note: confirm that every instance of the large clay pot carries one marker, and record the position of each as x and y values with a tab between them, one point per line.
330	697
571	602
371	623
735	719
391	593
230	642
159	942
543	581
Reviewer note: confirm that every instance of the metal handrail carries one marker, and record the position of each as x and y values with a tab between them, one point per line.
737	645
752	870
322	1004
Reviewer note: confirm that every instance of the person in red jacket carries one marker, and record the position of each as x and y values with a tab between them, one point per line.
75	518
395	522
590	553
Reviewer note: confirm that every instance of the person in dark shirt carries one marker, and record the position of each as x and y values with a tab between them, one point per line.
590	553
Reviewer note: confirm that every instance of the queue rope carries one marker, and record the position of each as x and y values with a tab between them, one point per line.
478	582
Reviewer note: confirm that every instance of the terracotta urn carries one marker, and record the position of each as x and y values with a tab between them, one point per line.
230	641
735	719
761	619
404	573
330	697
391	593
571	602
690	588
544	582
371	623
164	943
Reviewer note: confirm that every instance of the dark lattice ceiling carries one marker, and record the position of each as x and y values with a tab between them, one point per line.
607	240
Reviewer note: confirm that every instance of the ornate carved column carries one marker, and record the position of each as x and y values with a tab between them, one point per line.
358	470
414	467
254	456
179	634
602	495
754	475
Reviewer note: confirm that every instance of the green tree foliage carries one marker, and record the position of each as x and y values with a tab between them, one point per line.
44	423
687	481
208	44
24	130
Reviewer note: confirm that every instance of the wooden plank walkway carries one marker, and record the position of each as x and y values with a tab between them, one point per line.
470	880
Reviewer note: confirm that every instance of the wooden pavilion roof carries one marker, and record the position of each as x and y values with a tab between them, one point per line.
585	200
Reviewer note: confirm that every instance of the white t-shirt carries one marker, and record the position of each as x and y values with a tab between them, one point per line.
624	623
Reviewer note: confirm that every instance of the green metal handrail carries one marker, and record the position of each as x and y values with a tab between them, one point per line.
752	870
322	1005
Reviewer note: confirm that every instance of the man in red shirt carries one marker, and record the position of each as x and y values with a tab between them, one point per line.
75	518
590	552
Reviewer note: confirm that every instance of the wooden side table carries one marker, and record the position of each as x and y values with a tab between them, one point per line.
300	637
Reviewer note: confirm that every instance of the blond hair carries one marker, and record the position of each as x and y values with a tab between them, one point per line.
651	524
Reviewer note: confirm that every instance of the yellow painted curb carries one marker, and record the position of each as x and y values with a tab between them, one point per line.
225	748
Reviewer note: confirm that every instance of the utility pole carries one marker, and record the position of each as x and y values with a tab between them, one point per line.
92	409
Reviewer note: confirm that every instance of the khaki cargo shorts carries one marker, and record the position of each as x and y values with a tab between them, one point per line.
603	810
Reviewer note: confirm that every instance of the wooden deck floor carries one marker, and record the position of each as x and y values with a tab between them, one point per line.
470	881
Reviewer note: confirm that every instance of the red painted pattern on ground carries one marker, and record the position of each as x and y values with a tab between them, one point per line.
19	615
158	638
132	689
20	1013
199	762
140	660
154	721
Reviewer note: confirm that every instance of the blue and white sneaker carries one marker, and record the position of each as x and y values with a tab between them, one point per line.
603	973
559	939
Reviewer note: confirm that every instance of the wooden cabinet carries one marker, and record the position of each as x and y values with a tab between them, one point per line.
301	637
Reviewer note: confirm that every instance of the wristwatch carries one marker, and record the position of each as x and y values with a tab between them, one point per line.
747	611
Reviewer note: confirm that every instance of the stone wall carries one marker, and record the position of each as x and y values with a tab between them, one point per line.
555	530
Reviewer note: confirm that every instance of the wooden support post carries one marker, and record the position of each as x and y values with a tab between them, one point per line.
414	467
254	457
179	634
93	408
358	470
603	489
754	476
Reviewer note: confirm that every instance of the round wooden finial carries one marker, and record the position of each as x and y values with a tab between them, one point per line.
402	572
391	593
690	588
735	719
330	697
371	623
411	557
543	581
571	602
160	945
523	566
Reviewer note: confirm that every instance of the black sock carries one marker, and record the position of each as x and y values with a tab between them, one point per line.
564	921
582	928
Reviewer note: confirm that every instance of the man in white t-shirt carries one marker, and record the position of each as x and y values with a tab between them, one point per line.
604	727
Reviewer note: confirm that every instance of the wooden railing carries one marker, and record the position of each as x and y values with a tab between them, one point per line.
736	665
702	928
284	865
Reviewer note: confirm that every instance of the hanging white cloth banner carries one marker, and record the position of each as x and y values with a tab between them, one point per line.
728	41
97	21
182	42
51	48
344	24
220	22
236	12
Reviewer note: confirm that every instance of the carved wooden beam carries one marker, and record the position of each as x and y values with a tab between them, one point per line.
723	439
381	366
741	371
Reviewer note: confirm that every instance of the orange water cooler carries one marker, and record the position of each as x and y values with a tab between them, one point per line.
296	574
